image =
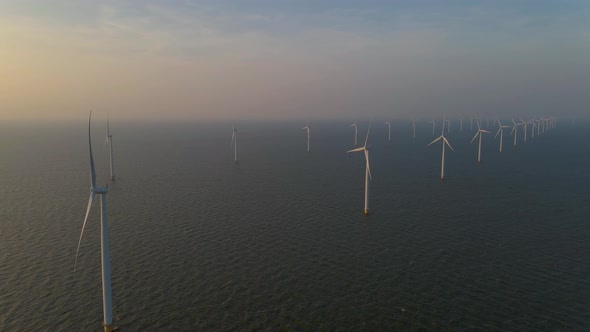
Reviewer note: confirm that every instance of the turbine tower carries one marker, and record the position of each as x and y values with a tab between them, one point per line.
107	304
304	128
501	132
444	141
234	142
389	131
355	132
414	127
479	133
368	176
109	141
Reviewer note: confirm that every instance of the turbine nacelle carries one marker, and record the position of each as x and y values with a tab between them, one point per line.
100	190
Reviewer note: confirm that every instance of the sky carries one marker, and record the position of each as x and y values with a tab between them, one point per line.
304	59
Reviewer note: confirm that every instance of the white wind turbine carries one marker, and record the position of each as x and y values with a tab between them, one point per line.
234	142
368	176
501	132
107	304
479	133
109	141
514	130
525	124
414	127
307	127
434	125
534	123
444	141
355	132
448	122
389	131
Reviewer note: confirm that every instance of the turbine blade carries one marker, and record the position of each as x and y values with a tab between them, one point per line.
233	137
92	170
485	131
474	137
368	164
90	200
368	131
499	130
356	150
448	144
436	140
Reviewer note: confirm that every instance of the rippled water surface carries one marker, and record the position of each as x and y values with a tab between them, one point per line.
280	242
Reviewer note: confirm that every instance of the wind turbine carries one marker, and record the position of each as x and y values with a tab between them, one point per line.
355	132
515	130
107	304
444	139
307	127
525	124
479	133
109	141
501	132
368	176
434	125
448	126
414	127
389	131
234	141
534	123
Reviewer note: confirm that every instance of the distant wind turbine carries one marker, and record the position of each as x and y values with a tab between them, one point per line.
109	141
355	132
414	127
234	142
444	141
479	133
514	130
307	127
107	304
525	125
501	132
389	131
368	176
434	125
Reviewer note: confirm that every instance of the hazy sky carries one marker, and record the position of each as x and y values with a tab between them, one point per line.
220	59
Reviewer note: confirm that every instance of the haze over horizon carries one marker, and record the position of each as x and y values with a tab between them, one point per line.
222	60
